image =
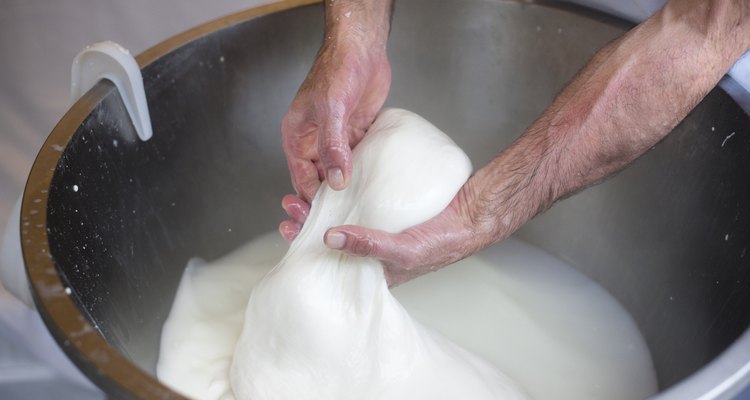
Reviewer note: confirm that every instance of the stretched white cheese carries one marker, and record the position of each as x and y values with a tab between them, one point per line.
323	325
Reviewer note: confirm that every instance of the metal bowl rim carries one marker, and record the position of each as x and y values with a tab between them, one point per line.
722	378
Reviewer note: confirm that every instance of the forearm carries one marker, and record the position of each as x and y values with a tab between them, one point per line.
363	20
629	96
621	104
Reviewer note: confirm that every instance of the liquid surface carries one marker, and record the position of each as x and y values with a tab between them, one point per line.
551	329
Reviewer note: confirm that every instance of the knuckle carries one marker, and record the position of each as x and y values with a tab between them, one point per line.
289	122
364	246
421	250
334	152
334	146
336	101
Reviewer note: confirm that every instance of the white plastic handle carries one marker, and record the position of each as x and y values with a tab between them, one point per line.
108	60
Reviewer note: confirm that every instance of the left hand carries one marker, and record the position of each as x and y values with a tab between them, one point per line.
463	228
442	240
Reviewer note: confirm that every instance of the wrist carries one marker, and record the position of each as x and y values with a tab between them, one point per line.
510	190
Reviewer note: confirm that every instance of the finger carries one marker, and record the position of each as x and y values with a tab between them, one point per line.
296	207
334	151
358	241
300	147
399	253
305	178
289	230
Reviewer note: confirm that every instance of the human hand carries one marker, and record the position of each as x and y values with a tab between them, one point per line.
336	104
339	99
446	238
442	240
490	206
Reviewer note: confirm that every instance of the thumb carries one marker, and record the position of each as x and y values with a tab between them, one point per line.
390	248
401	254
415	251
335	153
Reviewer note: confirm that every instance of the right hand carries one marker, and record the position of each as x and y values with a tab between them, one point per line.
334	107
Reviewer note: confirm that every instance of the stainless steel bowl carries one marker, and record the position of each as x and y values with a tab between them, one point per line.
668	237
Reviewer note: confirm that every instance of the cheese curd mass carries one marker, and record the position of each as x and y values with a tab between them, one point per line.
322	325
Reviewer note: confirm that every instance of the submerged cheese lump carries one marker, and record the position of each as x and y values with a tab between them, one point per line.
554	331
323	325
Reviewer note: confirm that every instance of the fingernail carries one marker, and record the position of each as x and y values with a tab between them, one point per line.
335	178
336	240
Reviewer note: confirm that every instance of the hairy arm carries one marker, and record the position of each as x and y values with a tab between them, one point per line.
629	96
